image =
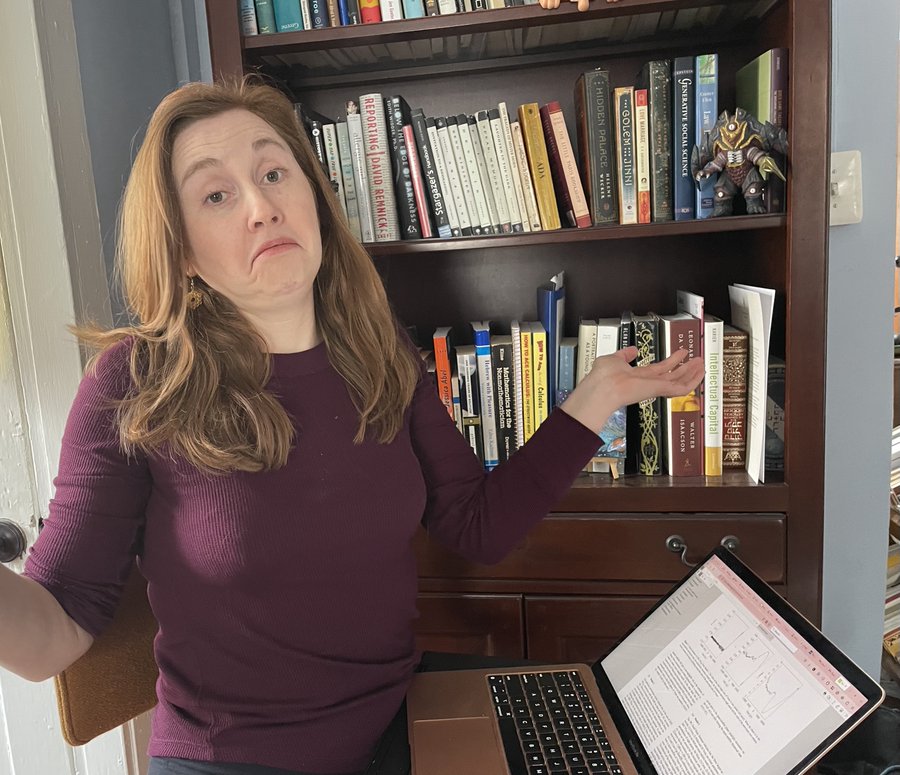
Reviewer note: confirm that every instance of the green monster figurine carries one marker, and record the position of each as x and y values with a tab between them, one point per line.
739	149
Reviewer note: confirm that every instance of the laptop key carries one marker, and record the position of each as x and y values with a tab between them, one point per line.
527	734
598	766
534	758
557	764
580	771
540	769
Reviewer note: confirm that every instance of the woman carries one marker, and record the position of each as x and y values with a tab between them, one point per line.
266	439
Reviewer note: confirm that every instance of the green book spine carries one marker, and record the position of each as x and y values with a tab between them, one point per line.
265	17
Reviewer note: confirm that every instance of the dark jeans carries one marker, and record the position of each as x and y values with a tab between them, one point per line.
391	757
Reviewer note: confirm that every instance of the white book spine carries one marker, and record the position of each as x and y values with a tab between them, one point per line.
391	10
378	168
516	332
531	207
446	6
506	174
329	138
467	366
493	168
587	348
443	177
343	141
361	177
608	330
481	166
468	152
488	410
462	169
306	15
248	18
513	166
459	201
642	159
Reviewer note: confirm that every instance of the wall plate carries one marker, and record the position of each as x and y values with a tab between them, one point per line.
846	188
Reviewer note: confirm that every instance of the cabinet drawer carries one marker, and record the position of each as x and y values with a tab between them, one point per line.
583	629
471	624
613	547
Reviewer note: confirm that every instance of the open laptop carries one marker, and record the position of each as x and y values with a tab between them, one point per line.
721	677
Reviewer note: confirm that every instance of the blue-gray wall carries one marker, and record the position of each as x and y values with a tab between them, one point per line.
130	55
859	352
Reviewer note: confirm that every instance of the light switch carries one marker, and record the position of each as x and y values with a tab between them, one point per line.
846	188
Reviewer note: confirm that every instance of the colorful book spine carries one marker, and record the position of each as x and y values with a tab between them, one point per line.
683	137
775	415
568	355
418	180
413	9
712	395
539	368
566	179
438	210
656	77
247	16
645	428
378	168
287	15
265	17
369	11
402	174
482	336
642	154
442	369
624	112
539	165
683	413
707	112
504	396
526	347
470	397
735	364
515	331
353	15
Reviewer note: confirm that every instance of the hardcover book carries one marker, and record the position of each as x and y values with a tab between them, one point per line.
775	415
265	17
735	363
378	167
437	209
684	440
482	334
470	397
624	113
656	77
402	173
642	154
645	427
707	107
683	120
566	179
504	395
596	145
247	15
287	15
539	165
442	367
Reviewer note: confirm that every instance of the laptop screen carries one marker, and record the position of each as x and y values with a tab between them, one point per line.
724	677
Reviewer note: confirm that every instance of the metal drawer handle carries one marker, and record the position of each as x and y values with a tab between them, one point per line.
677	545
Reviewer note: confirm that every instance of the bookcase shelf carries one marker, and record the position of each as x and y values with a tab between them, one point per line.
593	234
466	61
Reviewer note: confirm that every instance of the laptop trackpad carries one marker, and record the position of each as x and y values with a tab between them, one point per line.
455	746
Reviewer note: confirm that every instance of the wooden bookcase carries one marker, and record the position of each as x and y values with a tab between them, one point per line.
599	560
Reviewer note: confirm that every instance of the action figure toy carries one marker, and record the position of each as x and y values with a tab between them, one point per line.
739	148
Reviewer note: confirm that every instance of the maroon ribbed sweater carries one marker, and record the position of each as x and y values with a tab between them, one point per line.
286	599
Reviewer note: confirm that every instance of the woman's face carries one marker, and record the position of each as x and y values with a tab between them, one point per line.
249	213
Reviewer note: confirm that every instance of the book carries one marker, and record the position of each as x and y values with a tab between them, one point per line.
482	334
504	395
642	154
333	162
477	189
539	373
684	437
492	164
287	15
437	210
470	397
515	332
656	77
526	351
568	359
461	206
531	208
644	430
360	173
442	367
378	168
265	17
587	349
443	176
413	9
391	10
465	180
595	134
506	171
551	304
483	175
247	16
318	11
712	395
735	360
566	179
623	100
347	177
751	310
369	11
694	304
519	195
761	89
683	119
707	113
539	165
774	445
419	183
407	211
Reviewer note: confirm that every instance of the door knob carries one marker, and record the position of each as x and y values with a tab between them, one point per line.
12	541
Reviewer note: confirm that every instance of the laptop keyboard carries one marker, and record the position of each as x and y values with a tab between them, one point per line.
549	726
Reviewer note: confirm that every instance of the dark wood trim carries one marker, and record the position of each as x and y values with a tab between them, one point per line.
810	91
225	49
592	234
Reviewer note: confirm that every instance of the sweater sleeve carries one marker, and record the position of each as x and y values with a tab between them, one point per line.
483	515
87	545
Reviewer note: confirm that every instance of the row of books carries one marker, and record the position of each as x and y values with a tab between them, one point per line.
263	17
499	389
892	601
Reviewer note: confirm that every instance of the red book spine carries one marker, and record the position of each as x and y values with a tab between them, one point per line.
442	370
558	173
369	11
686	426
415	172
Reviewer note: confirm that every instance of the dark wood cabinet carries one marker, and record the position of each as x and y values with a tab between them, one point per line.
583	576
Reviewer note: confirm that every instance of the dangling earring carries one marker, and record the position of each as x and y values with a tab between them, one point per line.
194	297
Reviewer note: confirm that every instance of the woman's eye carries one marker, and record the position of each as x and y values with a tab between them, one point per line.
273	176
216	197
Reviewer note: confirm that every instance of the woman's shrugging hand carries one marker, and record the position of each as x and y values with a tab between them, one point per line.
612	383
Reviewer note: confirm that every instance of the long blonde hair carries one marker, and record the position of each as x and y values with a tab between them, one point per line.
198	375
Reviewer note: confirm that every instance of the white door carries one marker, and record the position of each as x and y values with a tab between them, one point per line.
40	364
